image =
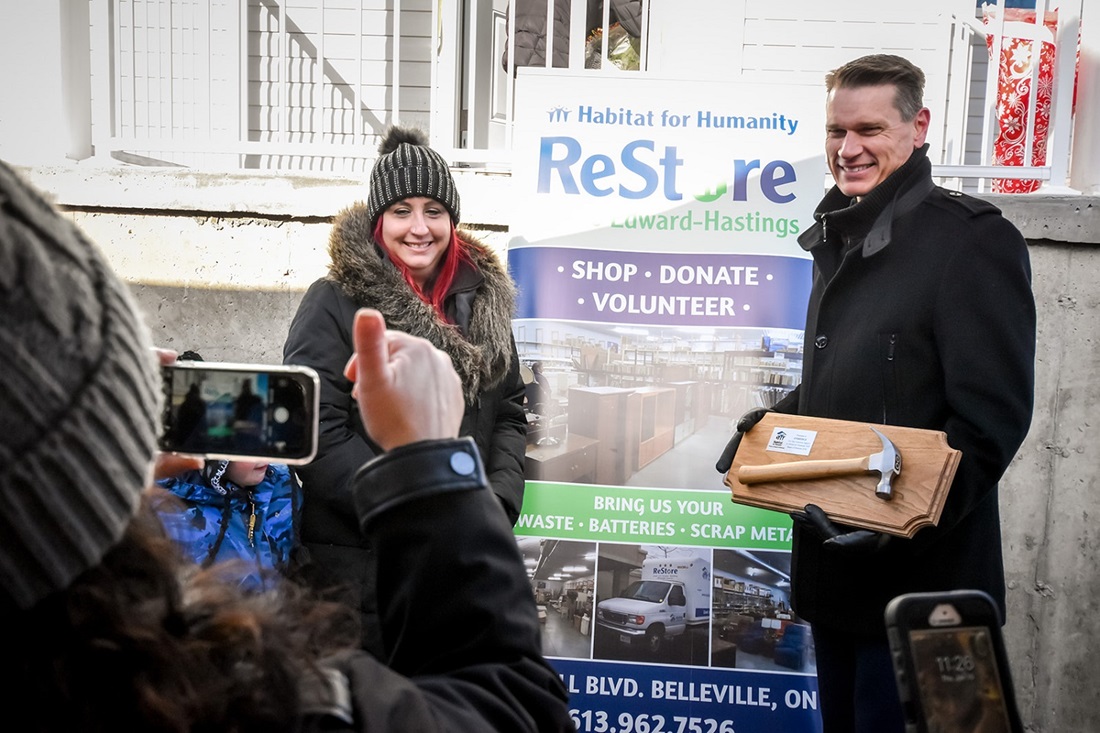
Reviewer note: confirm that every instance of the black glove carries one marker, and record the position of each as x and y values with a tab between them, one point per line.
744	425
860	541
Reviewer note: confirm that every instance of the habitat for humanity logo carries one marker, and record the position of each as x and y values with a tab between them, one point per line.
778	439
791	440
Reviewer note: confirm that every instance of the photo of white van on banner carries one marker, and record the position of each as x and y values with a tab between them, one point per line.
662	293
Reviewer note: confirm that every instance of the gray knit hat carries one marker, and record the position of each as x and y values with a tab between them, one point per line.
79	400
407	167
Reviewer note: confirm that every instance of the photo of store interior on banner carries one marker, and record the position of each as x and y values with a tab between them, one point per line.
644	406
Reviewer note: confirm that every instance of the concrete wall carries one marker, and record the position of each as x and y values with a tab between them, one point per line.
1049	498
219	262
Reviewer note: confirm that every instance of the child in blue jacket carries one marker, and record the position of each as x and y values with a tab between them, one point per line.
235	510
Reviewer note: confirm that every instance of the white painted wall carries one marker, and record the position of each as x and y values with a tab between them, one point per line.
34	97
1085	171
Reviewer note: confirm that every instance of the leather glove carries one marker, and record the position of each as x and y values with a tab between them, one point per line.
860	541
744	424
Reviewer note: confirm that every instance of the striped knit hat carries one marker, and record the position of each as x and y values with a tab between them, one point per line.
79	400
407	167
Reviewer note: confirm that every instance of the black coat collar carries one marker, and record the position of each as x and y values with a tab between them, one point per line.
871	219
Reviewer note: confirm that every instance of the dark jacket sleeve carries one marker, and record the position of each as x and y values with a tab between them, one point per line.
985	326
320	337
509	442
458	617
629	15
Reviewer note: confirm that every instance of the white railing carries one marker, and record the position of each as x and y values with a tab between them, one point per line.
255	79
293	88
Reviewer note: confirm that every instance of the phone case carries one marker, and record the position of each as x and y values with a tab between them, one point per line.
950	663
240	412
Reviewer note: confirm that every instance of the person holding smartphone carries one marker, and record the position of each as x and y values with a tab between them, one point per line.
921	315
103	625
401	253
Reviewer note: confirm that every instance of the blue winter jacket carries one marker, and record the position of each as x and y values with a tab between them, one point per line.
209	534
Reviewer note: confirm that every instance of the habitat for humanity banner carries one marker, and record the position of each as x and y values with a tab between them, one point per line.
662	294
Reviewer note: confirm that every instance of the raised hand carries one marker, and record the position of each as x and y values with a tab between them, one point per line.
406	388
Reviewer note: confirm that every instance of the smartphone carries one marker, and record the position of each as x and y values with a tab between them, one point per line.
240	411
950	663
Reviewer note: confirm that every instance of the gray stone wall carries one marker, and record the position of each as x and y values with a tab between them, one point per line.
1049	497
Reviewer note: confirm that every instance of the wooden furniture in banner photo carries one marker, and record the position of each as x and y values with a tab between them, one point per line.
601	413
571	459
831	463
691	402
651	415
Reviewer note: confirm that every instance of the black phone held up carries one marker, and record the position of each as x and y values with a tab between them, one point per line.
950	663
244	412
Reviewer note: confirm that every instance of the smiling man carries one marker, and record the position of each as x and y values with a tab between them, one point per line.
872	131
921	315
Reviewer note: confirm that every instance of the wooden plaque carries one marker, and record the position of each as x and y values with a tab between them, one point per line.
927	468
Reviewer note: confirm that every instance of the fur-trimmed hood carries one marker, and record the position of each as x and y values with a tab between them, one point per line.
364	273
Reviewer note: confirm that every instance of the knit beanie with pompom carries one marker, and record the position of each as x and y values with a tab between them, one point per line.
407	167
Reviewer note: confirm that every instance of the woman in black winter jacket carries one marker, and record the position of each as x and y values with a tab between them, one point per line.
401	254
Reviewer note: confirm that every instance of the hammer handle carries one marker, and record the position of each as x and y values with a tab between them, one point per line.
800	470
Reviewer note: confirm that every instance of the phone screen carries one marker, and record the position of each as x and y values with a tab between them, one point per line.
959	685
234	412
